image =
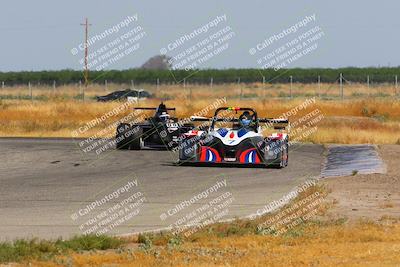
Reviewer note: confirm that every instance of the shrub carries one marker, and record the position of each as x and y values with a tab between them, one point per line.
42	249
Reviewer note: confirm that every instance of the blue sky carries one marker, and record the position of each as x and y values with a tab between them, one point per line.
39	35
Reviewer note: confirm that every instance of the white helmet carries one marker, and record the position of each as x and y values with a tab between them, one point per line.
164	116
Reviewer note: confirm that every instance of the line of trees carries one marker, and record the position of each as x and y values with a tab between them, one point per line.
376	75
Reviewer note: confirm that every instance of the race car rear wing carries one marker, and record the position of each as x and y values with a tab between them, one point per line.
153	108
198	118
278	124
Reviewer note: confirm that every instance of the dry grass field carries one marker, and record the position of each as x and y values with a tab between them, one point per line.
327	245
364	116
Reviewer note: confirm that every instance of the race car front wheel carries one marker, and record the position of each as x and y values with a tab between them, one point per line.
136	138
188	150
284	155
121	139
278	155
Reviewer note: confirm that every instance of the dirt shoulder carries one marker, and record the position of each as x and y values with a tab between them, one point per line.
371	196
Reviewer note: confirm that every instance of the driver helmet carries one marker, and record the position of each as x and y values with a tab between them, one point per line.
161	108
164	116
245	119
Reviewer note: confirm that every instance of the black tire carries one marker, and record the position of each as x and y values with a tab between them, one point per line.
122	142
287	154
281	163
284	155
187	151
136	138
164	135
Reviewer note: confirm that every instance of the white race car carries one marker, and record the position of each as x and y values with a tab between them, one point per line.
236	139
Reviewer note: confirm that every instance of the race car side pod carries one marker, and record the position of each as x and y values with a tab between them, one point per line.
278	124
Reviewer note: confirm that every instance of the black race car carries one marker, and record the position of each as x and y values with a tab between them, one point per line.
160	131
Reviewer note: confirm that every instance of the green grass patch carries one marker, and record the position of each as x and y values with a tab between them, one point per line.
20	250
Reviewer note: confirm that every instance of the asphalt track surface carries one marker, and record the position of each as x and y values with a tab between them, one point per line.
46	184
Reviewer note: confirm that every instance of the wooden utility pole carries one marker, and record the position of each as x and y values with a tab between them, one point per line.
86	71
30	90
263	89
319	86
341	85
